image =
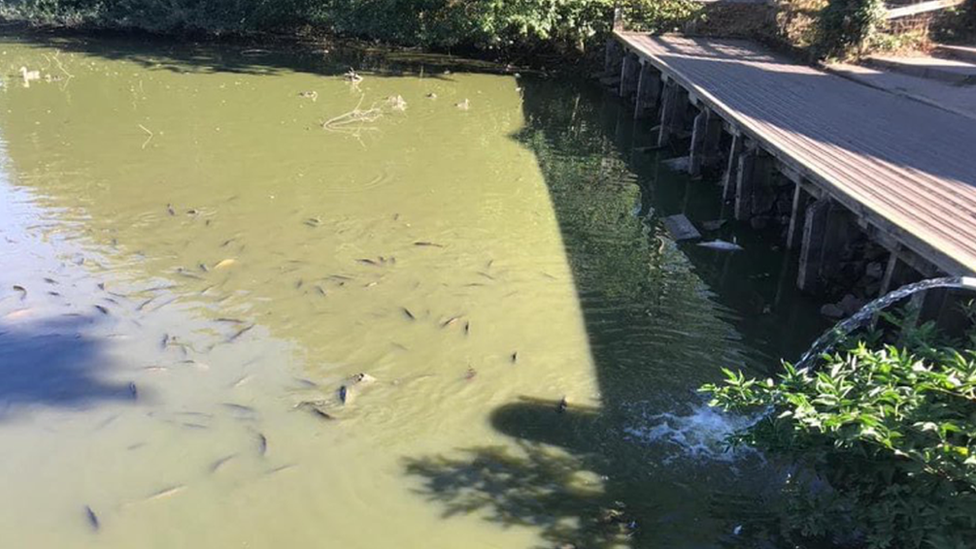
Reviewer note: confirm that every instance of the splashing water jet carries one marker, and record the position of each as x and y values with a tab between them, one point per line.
832	336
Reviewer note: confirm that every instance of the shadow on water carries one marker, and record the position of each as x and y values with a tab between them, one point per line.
51	363
153	53
660	317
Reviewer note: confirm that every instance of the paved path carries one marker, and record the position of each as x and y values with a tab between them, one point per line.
906	167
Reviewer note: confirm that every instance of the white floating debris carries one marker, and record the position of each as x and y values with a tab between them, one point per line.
721	246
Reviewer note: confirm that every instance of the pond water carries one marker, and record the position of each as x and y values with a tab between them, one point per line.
194	267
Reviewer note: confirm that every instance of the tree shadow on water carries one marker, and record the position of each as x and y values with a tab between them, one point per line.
50	362
535	485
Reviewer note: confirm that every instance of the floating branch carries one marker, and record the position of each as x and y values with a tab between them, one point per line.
148	139
354	120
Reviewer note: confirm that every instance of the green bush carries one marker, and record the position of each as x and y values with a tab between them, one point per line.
846	27
882	441
483	24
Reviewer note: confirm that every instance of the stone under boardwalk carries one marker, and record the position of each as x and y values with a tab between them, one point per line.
905	170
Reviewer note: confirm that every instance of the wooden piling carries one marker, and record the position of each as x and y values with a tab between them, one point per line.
648	92
801	200
705	137
732	168
629	74
828	227
814	241
673	109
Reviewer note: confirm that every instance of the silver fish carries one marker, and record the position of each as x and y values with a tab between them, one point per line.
721	246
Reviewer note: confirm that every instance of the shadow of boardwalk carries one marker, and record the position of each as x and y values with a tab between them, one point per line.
50	363
646	468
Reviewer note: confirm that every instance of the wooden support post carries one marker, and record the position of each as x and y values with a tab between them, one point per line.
744	181
732	168
893	272
629	73
705	137
697	142
814	242
713	139
648	92
613	56
826	229
752	180
673	109
800	201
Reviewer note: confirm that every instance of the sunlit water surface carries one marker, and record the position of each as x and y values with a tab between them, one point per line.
188	256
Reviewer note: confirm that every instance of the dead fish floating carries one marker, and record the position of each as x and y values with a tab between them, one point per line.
407	313
262	444
22	290
348	391
424	243
721	245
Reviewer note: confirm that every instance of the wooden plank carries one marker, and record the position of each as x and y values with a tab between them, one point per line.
903	166
922	7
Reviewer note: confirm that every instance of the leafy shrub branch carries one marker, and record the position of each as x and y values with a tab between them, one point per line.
882	441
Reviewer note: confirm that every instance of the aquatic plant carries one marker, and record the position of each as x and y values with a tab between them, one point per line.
881	440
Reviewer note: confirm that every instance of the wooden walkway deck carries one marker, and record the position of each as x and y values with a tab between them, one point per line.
905	168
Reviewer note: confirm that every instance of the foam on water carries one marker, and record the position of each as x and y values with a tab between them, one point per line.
700	434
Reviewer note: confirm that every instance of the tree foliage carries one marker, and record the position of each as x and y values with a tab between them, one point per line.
484	24
845	27
882	442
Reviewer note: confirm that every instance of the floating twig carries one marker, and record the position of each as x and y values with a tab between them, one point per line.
148	139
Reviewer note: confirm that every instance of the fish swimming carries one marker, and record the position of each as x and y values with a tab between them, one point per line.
220	462
450	321
92	518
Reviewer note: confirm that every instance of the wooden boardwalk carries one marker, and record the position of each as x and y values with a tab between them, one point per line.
905	169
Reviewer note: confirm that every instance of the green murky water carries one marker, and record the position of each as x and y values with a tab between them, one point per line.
188	256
